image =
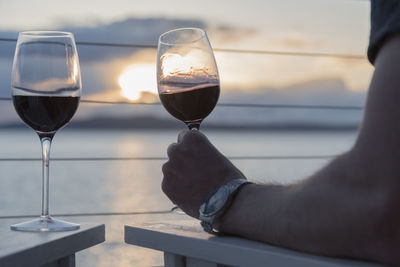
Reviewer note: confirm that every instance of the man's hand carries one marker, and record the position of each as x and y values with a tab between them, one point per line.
195	170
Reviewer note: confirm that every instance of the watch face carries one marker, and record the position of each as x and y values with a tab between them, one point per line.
216	202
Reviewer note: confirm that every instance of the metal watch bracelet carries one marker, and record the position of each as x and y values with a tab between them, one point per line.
215	206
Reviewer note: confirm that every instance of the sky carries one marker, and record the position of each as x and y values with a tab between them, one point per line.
325	26
316	19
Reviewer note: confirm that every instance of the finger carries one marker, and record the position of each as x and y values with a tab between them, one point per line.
172	149
166	168
169	179
181	135
166	187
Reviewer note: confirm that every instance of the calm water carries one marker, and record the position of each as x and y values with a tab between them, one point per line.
122	186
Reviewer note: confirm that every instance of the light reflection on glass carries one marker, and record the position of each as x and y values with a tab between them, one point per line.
175	65
76	71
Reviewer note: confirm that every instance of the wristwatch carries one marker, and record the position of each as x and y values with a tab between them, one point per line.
212	209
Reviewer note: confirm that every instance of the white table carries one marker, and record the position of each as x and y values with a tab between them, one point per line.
46	249
185	244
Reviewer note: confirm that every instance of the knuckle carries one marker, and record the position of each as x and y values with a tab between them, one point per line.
172	149
182	134
176	152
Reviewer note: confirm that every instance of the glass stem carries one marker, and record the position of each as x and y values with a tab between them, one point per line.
46	145
194	125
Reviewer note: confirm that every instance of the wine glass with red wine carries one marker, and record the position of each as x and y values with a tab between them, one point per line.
187	75
46	88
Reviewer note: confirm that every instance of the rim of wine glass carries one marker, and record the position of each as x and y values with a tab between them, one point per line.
46	34
203	34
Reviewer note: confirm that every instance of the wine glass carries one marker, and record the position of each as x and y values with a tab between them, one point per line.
46	88
187	75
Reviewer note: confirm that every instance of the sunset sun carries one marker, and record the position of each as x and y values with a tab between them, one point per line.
137	79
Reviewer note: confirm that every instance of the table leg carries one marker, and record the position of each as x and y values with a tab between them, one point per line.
68	261
173	260
192	262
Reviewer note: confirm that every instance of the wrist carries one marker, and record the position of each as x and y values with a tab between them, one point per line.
215	206
222	224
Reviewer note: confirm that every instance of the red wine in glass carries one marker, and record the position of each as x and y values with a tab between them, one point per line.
191	105
45	114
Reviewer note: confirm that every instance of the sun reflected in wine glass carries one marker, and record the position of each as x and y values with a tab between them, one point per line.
192	64
138	79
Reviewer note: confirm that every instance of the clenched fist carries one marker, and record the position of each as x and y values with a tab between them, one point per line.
194	171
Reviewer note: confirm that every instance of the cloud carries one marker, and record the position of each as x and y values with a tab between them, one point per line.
226	34
129	31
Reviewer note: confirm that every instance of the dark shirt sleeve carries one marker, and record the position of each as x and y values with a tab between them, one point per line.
385	21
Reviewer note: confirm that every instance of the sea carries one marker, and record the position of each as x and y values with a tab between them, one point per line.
127	190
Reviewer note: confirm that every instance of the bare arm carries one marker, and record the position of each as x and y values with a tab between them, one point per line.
347	209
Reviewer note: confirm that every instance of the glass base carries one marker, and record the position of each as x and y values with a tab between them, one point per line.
45	224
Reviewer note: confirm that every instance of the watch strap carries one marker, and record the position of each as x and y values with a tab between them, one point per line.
232	187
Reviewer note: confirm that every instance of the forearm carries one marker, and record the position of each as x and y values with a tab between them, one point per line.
308	216
255	208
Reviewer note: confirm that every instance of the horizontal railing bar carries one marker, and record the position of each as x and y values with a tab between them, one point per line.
89	214
165	158
86	159
290	106
117	45
93	101
290	53
225	50
241	105
286	106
